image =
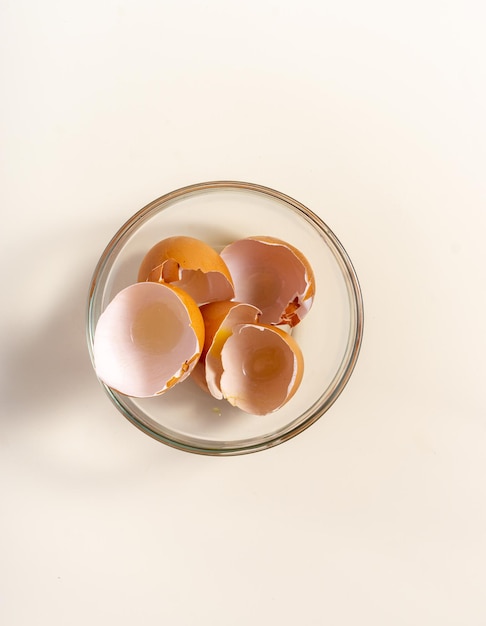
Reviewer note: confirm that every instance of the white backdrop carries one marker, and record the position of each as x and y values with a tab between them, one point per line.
371	114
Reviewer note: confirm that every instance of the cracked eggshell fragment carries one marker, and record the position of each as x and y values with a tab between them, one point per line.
272	275
262	368
190	264
219	320
149	338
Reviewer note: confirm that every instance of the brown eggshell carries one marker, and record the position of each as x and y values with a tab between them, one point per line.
272	275
219	321
148	338
262	368
190	264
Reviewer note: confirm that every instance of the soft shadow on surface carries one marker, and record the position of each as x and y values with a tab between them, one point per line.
50	363
55	415
46	356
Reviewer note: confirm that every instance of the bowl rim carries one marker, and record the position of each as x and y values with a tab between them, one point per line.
356	326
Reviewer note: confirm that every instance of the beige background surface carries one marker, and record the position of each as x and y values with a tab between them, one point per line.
371	114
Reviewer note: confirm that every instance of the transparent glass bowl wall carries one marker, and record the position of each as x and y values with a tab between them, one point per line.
330	336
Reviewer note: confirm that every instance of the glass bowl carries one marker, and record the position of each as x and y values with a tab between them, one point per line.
330	336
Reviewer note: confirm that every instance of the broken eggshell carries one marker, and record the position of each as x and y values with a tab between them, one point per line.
190	264
262	368
219	320
148	338
272	275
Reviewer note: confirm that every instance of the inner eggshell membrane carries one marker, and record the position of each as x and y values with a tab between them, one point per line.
148	338
262	368
272	275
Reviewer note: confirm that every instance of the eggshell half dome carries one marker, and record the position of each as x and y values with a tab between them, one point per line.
149	338
272	275
219	320
190	264
262	368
